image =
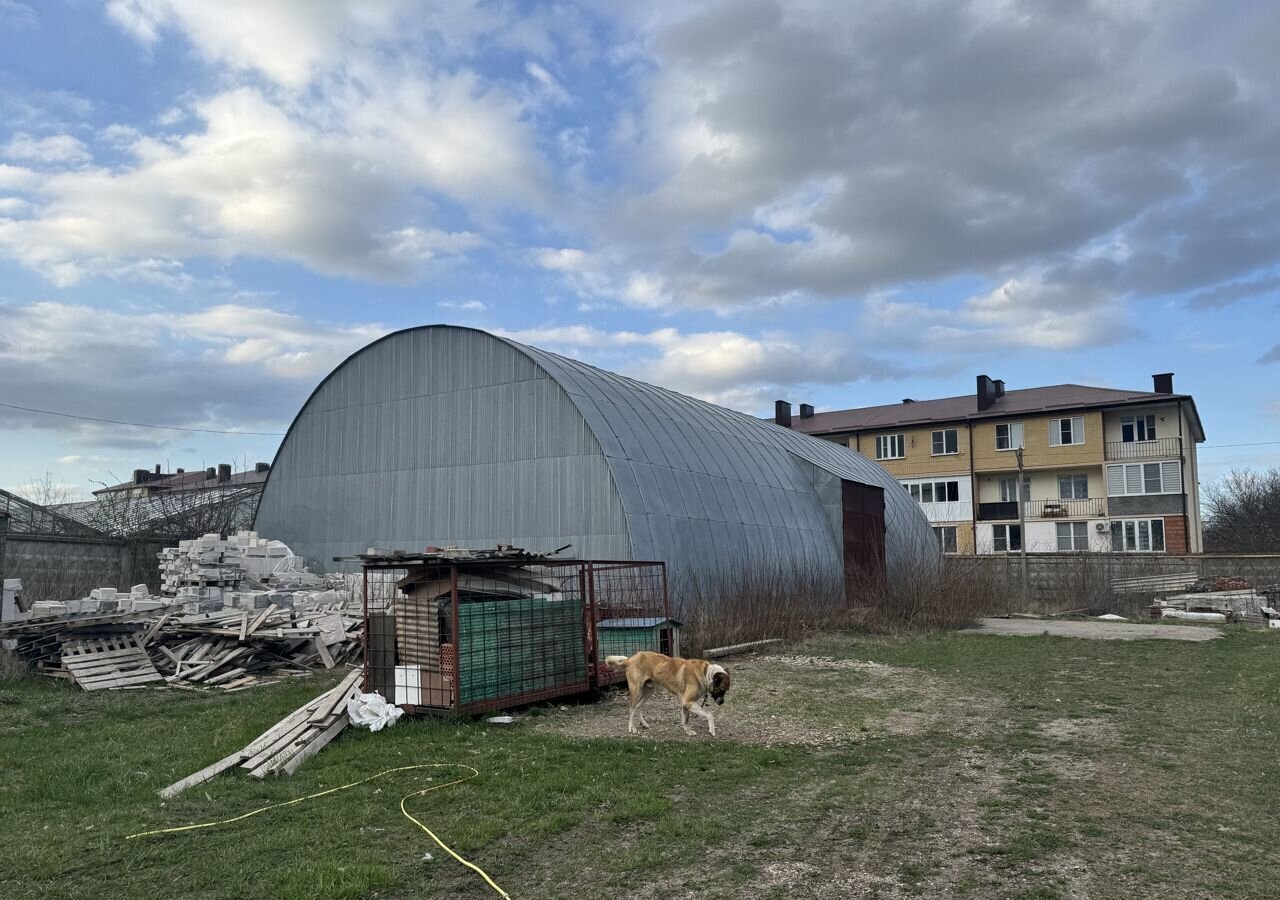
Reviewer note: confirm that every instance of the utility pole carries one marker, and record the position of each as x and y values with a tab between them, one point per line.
1022	530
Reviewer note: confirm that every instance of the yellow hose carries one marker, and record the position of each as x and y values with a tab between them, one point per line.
474	773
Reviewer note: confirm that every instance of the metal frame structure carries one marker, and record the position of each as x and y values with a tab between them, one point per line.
467	635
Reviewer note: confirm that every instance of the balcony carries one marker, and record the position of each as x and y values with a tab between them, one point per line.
998	512
1092	508
1159	448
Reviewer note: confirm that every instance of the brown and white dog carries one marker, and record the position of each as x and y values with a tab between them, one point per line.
690	680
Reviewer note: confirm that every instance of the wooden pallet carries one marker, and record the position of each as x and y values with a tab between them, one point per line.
286	745
108	662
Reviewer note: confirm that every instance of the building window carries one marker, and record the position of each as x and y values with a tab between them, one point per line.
1009	489
1006	538
934	491
1073	536
1073	487
1138	536
891	446
1144	478
1137	428
1009	436
946	535
946	442
1066	431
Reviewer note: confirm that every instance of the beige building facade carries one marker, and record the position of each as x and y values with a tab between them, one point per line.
1103	470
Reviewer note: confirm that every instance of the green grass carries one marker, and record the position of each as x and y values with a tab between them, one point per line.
1106	769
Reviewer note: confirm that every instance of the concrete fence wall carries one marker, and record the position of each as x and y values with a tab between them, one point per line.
65	568
1063	581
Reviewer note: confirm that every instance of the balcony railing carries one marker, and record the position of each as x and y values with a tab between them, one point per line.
996	512
1007	511
1091	508
1160	447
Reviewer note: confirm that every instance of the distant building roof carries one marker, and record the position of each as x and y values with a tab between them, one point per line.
1057	397
198	480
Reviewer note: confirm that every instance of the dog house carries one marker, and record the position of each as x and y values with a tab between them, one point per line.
466	631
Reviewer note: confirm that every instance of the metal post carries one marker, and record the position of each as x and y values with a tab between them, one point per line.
1022	530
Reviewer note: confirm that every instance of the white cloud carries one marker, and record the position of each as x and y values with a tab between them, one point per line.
287	40
226	366
463	305
726	367
17	15
54	149
255	181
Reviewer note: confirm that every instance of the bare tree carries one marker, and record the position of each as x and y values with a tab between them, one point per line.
46	491
1242	512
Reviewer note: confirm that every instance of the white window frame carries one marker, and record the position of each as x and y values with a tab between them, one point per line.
1076	534
886	442
1074	478
1135	478
1148	423
1004	534
1134	533
947	534
1076	428
1004	493
1013	436
940	438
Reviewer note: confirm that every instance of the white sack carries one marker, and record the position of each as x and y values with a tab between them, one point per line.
373	711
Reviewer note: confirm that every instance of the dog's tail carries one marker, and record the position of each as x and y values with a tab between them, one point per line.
617	662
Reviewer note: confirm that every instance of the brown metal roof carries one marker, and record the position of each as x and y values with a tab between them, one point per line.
1057	397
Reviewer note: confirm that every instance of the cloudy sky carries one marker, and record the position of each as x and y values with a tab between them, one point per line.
205	206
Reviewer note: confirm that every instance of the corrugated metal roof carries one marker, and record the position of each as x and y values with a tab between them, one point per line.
1057	397
443	434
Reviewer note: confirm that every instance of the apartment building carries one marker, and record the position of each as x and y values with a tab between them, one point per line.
1104	470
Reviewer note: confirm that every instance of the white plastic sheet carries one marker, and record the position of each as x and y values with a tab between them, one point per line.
372	711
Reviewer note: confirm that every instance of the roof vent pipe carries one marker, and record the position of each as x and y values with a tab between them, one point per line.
1163	383
782	413
907	400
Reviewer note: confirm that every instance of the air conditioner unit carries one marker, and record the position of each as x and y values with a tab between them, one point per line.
1100	526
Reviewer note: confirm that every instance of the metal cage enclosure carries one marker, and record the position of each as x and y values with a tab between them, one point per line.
457	636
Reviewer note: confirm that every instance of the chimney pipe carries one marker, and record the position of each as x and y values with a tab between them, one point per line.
139	476
210	473
224	472
986	393
157	468
182	471
806	411
1163	383
782	413
999	388
262	467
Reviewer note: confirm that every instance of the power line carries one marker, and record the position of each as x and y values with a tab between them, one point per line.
49	412
1254	444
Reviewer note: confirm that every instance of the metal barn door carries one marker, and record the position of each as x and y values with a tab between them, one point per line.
863	513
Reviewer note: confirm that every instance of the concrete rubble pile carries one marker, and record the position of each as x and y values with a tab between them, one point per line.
1220	599
230	611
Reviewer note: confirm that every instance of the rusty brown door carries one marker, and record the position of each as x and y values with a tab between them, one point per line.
863	515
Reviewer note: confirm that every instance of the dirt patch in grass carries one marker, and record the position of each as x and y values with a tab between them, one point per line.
811	701
1087	730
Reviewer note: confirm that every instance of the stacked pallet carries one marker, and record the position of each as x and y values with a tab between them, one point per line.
286	745
232	649
1155	584
108	662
